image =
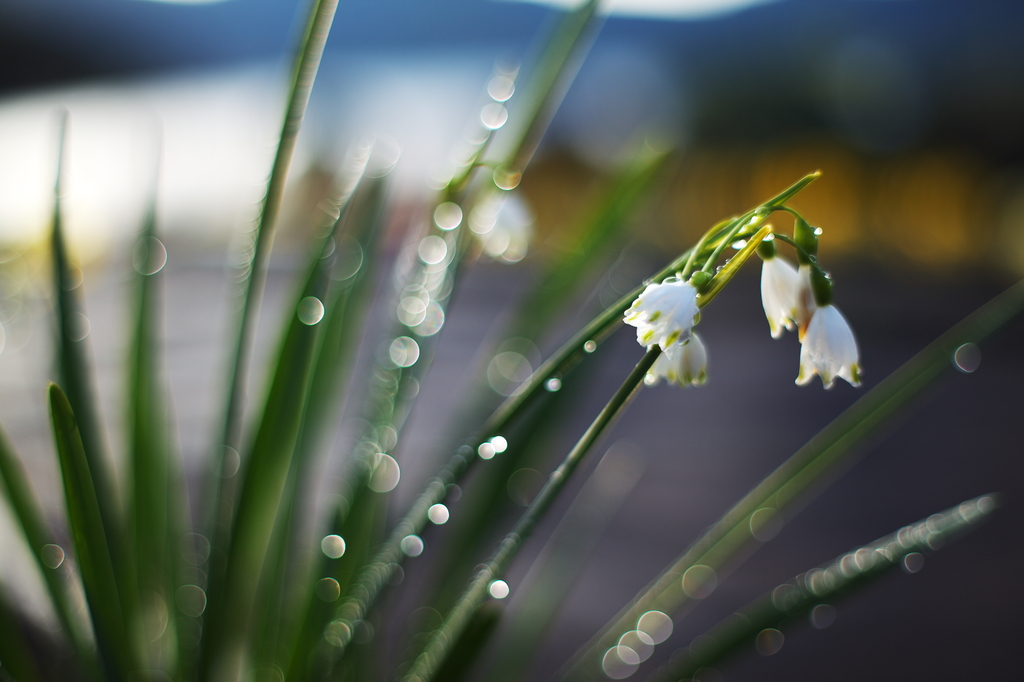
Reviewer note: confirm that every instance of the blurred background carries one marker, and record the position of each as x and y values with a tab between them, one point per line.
913	109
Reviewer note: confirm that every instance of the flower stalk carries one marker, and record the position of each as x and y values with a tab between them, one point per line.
438	647
372	578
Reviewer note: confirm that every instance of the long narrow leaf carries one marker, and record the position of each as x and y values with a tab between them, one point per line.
16	663
563	559
307	64
115	640
389	555
158	511
344	309
269	462
74	362
14	482
794	480
440	642
847	573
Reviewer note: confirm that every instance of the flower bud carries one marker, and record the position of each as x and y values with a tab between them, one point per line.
700	279
803	235
821	285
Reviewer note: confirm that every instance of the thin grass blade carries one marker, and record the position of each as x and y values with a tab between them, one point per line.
115	640
842	576
17	662
157	511
307	64
376	574
601	228
14	482
270	461
357	228
563	559
562	57
798	478
439	644
74	361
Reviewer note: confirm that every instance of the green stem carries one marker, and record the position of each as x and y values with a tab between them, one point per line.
439	645
730	237
698	247
806	470
792	243
378	571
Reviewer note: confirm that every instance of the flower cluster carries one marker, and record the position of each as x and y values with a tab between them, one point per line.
802	299
664	315
794	299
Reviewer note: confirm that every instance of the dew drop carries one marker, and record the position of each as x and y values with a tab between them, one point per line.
498	589
506	178
386	474
493	115
191	600
52	555
822	615
553	384
333	546
438	514
78	327
149	256
590	346
404	351
699	581
432	249
619	662
769	641
656	625
412	545
913	562
448	215
501	88
765	524
486	451
328	589
310	310
967	358
634	639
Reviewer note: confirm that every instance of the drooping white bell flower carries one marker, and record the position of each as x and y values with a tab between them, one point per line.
780	290
829	349
804	304
683	365
664	313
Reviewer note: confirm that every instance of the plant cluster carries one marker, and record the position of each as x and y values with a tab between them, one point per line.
259	588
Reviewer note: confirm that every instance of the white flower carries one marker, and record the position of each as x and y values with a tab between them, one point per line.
804	305
683	365
664	313
780	286
829	349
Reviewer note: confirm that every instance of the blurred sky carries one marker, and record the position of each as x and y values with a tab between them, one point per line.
917	93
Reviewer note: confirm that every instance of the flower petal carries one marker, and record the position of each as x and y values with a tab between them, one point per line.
779	290
829	349
664	314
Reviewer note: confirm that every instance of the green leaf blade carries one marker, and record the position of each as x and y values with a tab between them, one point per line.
93	552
